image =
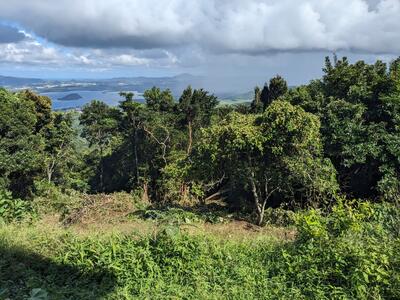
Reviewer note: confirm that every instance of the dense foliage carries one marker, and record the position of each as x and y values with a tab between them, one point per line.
298	147
358	105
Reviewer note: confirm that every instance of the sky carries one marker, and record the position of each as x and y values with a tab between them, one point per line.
236	43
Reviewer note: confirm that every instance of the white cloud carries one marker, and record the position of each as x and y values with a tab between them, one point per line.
31	51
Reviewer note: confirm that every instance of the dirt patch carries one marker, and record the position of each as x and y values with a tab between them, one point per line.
119	213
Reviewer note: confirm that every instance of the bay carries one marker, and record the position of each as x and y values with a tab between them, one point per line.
111	98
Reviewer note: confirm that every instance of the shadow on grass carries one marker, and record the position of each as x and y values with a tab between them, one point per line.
21	272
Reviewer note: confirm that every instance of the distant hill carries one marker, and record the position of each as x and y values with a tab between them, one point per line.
175	83
69	97
235	97
8	81
139	84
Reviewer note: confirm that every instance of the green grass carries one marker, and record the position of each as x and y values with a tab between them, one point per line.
351	254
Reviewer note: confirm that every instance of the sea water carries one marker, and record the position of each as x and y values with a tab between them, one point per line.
111	98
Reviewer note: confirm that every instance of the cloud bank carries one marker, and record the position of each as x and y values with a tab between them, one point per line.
235	43
218	26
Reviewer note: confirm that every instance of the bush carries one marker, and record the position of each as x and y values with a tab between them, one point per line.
279	217
51	199
350	253
13	209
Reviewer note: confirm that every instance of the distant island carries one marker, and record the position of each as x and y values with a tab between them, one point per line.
69	97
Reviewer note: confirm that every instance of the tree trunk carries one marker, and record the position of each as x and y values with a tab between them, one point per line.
50	171
257	203
261	211
190	132
136	156
260	218
101	170
184	190
49	175
145	195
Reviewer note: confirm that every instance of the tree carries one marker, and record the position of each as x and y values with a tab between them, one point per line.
264	97
197	107
276	88
132	123
42	106
296	153
389	184
59	136
164	144
256	104
21	145
100	123
358	107
278	154
159	100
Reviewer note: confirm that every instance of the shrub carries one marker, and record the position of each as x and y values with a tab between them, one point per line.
350	253
279	217
13	209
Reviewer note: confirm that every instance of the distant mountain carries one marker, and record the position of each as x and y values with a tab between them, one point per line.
137	84
8	81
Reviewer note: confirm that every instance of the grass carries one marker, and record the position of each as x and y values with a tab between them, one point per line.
353	253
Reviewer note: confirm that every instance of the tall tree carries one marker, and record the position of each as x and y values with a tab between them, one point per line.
256	104
21	145
159	100
100	123
278	154
276	88
42	107
132	123
264	97
358	107
197	107
59	136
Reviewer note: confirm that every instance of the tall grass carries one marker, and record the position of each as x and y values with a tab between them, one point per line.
352	253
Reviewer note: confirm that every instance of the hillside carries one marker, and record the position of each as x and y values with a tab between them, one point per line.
8	81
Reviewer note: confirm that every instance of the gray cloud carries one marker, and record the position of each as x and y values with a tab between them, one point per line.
234	43
218	26
10	35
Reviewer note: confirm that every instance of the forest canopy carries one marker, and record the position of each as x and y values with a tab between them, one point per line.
336	137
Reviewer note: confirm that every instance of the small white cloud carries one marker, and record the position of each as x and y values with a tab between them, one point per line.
128	59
